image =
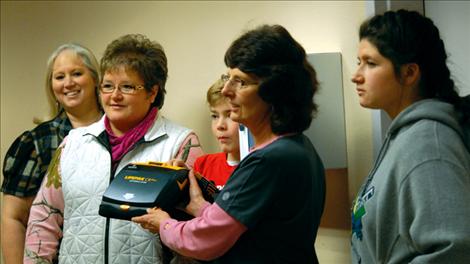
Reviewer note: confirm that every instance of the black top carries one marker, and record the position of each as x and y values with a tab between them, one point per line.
278	193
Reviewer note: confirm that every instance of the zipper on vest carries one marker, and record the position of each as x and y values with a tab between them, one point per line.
108	220
106	242
112	172
102	138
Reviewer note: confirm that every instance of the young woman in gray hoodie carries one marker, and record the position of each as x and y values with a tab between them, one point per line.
414	207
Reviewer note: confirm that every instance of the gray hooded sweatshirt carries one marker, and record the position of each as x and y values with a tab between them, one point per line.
414	207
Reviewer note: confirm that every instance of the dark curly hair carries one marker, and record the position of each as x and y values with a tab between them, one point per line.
408	37
287	80
138	53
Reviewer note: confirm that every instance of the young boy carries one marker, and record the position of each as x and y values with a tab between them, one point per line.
218	167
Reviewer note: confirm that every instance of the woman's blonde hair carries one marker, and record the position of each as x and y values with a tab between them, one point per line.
88	59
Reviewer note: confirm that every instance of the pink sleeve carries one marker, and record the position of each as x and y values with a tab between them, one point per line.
44	228
190	150
205	237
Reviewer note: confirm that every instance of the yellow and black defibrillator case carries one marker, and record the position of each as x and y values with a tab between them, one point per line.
139	186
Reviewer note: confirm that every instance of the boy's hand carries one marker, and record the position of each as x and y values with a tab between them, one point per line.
176	163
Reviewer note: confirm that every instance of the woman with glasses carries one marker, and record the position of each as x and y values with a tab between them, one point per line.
270	208
72	79
414	205
65	211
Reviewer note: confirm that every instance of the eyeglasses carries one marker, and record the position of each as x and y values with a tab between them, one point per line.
235	83
123	88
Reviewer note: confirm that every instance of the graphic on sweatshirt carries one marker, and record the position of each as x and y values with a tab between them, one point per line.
359	211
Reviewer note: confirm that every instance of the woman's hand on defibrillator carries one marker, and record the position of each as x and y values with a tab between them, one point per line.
152	220
196	199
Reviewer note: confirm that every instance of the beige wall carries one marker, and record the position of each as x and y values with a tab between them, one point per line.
195	36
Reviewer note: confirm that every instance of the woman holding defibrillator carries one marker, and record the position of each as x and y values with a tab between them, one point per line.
270	208
65	211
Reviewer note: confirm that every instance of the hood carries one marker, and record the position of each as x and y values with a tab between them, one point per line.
436	110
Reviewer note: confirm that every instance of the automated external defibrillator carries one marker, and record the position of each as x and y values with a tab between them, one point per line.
139	186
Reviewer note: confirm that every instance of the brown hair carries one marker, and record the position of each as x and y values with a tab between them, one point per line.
288	81
138	53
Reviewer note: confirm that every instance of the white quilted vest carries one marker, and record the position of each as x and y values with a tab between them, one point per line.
85	169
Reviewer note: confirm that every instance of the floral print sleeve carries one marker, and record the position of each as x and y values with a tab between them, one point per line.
44	229
190	150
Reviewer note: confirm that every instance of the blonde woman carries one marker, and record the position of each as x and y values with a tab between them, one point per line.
72	81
